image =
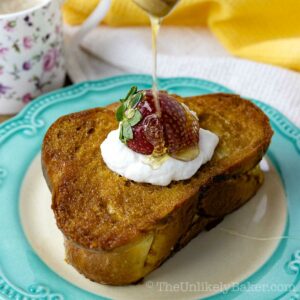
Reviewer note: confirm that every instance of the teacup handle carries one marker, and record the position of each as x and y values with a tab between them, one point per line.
74	58
93	20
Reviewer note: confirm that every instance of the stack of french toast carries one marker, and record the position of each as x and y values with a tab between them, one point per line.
117	230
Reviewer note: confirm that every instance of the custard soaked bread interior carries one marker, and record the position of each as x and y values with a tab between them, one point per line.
117	231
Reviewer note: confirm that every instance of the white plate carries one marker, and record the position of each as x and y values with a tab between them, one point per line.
211	263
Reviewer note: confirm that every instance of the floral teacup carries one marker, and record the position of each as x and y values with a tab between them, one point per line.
31	54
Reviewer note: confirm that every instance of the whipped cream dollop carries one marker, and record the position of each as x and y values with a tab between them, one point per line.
134	166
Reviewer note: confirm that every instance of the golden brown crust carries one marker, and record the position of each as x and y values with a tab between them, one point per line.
130	263
98	209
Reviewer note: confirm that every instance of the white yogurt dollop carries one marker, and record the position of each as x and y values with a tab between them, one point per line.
124	161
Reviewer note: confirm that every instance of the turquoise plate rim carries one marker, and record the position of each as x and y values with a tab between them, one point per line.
28	124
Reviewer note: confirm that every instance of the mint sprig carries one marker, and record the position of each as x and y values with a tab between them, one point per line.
128	115
137	117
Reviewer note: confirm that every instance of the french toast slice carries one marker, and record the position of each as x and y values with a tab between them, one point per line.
117	231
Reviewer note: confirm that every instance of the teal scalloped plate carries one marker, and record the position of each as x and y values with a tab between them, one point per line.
23	272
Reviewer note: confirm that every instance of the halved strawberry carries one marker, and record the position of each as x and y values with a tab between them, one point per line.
174	130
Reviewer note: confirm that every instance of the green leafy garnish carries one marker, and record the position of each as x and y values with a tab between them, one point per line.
136	99
120	113
128	115
131	92
136	118
127	131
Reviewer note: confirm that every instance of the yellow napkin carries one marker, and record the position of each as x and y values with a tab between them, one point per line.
262	30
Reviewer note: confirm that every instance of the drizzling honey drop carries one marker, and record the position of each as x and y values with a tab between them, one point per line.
155	26
157	10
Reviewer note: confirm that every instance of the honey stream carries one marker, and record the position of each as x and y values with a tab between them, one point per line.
157	11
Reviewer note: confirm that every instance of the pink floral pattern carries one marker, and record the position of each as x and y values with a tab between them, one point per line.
4	89
27	66
3	51
10	26
50	59
27	98
27	42
31	55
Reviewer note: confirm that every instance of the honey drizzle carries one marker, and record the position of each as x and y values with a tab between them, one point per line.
157	10
155	26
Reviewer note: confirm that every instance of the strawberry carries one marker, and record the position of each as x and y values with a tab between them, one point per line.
173	130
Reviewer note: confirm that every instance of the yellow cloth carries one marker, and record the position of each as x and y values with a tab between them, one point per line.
262	30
